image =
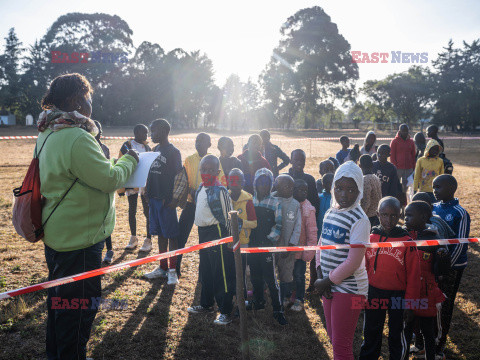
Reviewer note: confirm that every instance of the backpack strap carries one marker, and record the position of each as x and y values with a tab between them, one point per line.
39	231
36	155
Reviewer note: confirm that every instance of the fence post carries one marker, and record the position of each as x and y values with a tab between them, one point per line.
240	287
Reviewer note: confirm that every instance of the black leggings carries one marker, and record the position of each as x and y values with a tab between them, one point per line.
427	328
132	213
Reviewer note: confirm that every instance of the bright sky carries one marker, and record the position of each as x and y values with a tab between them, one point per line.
239	36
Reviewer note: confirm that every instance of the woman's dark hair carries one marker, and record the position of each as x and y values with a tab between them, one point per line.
369	146
64	89
355	153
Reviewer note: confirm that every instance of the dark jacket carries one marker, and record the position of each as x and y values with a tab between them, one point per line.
387	174
272	154
250	167
312	188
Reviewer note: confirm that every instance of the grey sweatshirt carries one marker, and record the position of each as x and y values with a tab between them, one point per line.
291	221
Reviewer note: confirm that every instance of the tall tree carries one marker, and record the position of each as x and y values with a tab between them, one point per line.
458	86
10	88
319	59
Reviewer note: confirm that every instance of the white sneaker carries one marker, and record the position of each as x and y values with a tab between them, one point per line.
133	243
147	245
172	277
155	274
297	305
223	319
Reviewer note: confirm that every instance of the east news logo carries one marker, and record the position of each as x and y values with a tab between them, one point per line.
59	57
397	57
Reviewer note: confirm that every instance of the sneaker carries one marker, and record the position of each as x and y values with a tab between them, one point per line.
172	277
223	319
286	302
297	305
252	305
155	274
440	356
108	257
132	244
147	245
280	317
199	309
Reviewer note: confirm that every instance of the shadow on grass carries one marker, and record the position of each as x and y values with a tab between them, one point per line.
201	339
464	334
119	279
144	333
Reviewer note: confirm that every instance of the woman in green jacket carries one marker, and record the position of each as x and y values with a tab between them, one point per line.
72	164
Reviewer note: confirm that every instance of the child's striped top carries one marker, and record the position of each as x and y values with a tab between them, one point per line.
345	227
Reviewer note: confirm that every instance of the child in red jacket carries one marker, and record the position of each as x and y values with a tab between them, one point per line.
394	284
434	262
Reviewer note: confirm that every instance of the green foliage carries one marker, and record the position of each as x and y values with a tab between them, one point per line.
458	86
407	95
310	68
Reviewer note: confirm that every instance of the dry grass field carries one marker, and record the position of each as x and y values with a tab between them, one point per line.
156	324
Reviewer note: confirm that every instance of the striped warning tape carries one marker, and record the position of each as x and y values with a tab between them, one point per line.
137	262
242	137
391	244
109	269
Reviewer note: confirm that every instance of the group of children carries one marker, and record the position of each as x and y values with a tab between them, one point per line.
349	204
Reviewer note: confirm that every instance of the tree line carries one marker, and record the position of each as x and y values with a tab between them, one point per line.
309	82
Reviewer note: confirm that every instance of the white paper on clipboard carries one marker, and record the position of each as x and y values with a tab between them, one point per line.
139	176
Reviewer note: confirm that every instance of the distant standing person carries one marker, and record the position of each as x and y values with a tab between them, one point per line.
227	161
139	144
432	133
273	153
402	155
342	155
252	160
369	147
420	143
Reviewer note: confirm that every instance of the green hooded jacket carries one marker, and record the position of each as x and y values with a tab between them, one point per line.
86	215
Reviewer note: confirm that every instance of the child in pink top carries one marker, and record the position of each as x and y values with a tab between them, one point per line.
308	237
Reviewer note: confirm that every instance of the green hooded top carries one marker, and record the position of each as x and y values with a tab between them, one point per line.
86	215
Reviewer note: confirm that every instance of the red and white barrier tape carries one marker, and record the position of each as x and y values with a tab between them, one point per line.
109	269
392	244
137	262
240	137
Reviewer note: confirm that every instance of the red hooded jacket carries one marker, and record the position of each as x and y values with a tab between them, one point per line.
429	288
393	268
403	152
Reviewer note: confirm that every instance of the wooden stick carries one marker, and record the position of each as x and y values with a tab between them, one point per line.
240	287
